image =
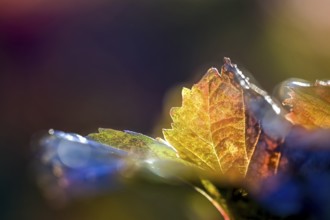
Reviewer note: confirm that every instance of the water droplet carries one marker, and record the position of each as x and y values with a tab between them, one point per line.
73	154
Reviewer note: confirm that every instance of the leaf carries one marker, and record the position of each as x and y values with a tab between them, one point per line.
154	154
137	144
70	166
210	128
310	106
220	127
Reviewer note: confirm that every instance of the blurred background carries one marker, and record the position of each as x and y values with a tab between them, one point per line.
77	65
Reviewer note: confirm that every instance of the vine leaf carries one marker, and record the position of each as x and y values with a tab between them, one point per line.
209	129
310	105
217	129
137	144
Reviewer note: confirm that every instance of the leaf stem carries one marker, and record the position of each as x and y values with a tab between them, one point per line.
214	202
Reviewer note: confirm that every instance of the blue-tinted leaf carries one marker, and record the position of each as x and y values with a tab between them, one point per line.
72	165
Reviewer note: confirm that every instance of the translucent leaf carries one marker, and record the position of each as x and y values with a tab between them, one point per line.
155	154
137	144
310	105
209	128
219	126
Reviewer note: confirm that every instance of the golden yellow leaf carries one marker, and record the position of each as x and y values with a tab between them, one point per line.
310	106
209	129
220	128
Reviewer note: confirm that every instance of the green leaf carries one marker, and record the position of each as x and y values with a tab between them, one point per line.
139	145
